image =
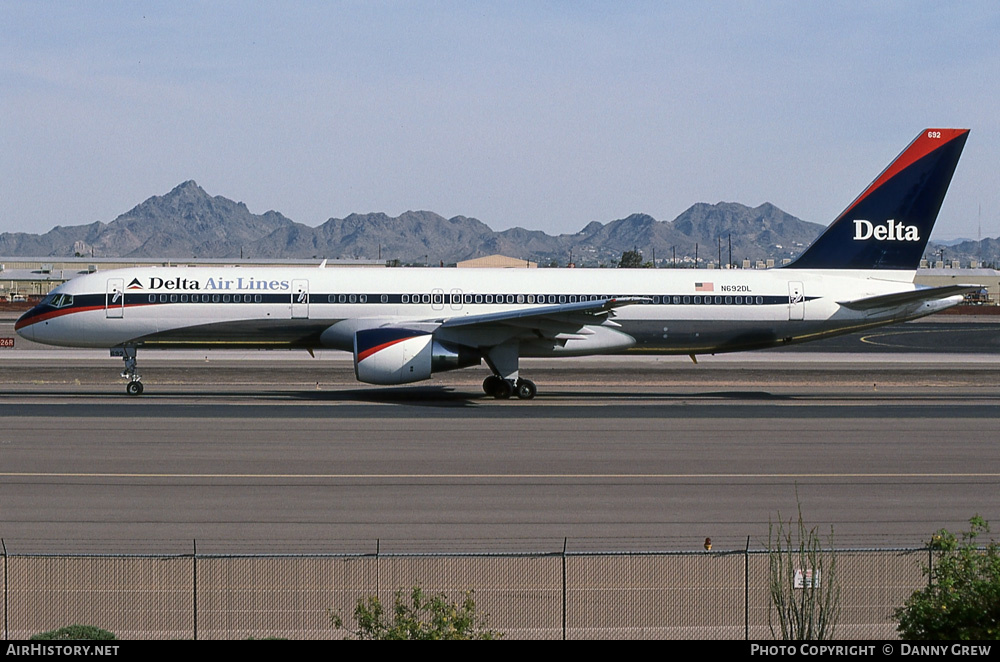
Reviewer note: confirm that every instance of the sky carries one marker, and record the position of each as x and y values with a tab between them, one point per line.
544	115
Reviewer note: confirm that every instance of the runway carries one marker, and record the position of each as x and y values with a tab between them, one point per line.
270	453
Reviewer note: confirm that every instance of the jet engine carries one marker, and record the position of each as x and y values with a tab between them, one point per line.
392	355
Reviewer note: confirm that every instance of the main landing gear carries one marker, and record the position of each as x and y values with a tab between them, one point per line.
505	382
502	389
131	372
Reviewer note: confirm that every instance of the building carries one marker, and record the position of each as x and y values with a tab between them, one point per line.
497	262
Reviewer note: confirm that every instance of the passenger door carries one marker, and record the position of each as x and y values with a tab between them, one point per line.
300	299
114	299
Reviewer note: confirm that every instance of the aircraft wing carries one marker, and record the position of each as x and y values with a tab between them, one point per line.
403	352
578	322
569	314
921	295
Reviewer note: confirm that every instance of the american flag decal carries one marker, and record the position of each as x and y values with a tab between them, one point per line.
704	287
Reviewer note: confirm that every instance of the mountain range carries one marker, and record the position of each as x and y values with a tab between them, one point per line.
189	223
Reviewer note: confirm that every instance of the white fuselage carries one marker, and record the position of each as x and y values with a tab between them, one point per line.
677	310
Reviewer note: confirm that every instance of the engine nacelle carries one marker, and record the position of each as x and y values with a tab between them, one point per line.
392	355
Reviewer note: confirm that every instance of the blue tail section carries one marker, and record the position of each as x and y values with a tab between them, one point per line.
888	225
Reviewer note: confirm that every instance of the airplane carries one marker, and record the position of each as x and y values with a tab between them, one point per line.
404	325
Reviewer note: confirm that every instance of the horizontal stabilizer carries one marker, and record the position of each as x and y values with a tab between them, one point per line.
916	296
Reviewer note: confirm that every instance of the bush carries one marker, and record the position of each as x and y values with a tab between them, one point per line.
424	617
803	582
78	632
962	601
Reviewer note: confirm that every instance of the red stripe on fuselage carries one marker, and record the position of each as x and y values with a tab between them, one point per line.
59	312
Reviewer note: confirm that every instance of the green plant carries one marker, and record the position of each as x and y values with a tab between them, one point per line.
963	598
630	260
83	632
803	582
423	617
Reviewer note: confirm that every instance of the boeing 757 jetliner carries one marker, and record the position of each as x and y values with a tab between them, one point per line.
403	325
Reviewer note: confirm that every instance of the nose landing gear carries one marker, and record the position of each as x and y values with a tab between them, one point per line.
131	372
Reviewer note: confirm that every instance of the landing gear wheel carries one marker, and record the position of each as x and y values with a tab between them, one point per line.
525	389
490	384
503	390
134	388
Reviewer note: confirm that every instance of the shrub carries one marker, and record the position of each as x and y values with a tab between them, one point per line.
803	582
423	617
78	632
963	598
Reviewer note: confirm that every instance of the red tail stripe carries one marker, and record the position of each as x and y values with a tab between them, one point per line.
923	145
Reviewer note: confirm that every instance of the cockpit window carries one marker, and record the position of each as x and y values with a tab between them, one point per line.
59	300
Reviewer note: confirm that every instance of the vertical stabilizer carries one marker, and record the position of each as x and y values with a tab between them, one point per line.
888	225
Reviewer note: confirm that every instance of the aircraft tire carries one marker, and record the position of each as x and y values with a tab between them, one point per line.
504	389
134	388
490	384
526	389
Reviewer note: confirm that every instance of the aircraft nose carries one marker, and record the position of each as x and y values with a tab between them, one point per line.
23	325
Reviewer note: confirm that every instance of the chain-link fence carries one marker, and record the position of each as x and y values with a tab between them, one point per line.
706	595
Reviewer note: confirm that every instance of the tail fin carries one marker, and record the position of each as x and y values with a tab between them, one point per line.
888	225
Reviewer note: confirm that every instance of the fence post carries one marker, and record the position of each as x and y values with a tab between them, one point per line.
564	589
194	586
746	591
6	602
